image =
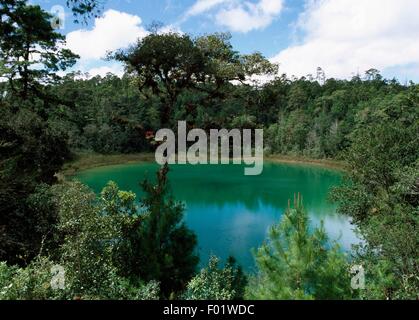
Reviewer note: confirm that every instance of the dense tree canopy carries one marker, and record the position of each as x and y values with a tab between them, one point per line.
381	193
114	246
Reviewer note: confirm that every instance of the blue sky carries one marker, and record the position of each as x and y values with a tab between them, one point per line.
344	37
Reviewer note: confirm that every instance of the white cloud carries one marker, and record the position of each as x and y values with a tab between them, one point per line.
248	16
347	36
102	71
201	6
239	15
171	28
113	31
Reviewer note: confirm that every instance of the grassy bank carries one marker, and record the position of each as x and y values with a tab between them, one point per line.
84	161
326	163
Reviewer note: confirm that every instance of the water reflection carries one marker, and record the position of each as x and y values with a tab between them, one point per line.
230	212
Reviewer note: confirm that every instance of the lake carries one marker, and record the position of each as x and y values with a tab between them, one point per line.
231	213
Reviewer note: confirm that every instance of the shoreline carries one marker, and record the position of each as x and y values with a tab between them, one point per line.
86	161
324	163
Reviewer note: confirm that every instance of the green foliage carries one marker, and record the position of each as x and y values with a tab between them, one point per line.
30	283
381	194
300	117
90	238
168	65
84	9
161	247
27	40
213	283
31	153
32	148
35	282
91	231
297	263
105	115
6	273
111	249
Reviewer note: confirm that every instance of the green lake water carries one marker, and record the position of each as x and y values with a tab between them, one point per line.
231	213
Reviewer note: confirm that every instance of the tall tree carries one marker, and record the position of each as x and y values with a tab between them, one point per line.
161	247
32	151
31	51
166	65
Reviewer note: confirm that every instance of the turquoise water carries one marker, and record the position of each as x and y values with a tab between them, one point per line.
230	212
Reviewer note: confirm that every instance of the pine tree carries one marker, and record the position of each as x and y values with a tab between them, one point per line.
296	263
161	247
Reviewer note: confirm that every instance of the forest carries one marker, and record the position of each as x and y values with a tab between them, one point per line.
115	246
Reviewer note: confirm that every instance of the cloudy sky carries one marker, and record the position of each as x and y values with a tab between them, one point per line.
344	37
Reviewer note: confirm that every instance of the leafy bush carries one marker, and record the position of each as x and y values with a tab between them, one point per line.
213	283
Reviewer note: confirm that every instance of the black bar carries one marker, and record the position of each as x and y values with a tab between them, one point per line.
286	310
